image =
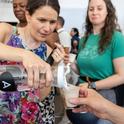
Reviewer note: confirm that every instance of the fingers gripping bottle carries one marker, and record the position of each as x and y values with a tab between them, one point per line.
13	75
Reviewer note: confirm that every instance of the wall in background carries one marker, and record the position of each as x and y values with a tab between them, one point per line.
6	11
75	16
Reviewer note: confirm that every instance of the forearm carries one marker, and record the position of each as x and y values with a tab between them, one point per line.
114	113
10	53
110	82
75	68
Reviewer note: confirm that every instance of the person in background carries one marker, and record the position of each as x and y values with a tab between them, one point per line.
19	8
74	40
32	105
52	39
93	102
64	37
100	61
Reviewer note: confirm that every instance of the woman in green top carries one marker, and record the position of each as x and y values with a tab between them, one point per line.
101	56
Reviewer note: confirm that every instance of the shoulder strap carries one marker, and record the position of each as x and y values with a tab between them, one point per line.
15	30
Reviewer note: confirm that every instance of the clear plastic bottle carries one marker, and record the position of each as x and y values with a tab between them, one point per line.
13	75
59	75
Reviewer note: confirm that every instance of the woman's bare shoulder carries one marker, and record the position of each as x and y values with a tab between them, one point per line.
5	31
5	27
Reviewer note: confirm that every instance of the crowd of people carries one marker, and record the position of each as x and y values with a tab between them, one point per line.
99	63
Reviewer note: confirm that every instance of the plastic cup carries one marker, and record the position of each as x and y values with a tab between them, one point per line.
70	92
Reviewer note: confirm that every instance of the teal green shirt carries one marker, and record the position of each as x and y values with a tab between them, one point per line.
95	65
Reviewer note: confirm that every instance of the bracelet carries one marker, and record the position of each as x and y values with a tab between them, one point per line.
92	85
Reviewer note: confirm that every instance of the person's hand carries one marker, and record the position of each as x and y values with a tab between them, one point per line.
84	85
35	67
66	56
66	59
89	100
58	53
74	67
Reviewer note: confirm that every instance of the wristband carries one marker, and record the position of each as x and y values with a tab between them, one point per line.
92	85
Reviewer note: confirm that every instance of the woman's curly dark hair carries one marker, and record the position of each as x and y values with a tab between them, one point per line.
107	31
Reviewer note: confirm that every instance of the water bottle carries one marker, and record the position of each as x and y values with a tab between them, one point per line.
13	75
58	72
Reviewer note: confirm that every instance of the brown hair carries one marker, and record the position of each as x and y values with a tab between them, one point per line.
33	5
108	29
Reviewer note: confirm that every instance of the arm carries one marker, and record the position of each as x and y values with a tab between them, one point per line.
5	32
75	44
115	113
114	80
75	68
33	64
99	106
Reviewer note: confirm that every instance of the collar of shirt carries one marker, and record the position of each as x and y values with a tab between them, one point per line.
60	30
